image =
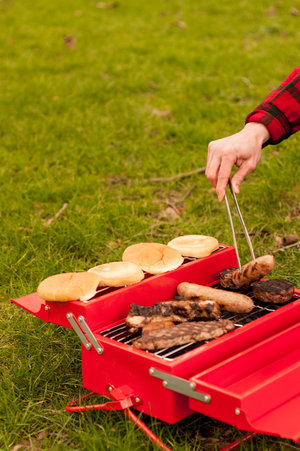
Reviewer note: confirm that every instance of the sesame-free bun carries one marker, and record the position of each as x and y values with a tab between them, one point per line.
194	245
69	286
154	258
118	274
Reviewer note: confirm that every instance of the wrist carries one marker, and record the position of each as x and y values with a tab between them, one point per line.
259	131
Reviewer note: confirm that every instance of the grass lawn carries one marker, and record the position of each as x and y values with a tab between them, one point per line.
94	101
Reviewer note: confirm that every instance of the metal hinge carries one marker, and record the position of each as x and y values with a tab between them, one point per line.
78	330
180	385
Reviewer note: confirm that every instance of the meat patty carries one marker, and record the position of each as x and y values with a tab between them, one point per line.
183	333
276	291
175	311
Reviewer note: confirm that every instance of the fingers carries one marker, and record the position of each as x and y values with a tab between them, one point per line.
212	166
212	171
223	177
240	175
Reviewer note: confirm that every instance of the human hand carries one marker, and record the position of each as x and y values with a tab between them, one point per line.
242	149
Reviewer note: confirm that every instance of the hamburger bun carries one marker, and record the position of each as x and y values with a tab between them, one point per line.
69	286
194	245
154	258
118	274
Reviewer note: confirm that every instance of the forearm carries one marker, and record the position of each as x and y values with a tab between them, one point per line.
280	111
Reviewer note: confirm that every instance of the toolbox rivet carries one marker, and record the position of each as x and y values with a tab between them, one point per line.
151	371
47	307
109	388
193	385
88	346
206	398
165	383
237	411
137	400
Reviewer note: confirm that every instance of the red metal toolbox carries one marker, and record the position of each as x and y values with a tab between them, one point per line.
248	378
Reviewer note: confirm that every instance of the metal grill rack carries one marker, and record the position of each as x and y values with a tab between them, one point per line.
122	334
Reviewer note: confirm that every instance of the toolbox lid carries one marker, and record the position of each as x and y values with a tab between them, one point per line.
257	389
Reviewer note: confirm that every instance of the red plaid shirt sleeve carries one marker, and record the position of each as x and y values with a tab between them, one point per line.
280	111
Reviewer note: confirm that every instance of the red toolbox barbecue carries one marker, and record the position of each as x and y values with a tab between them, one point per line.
249	378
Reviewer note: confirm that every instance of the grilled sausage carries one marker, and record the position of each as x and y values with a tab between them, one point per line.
235	278
227	300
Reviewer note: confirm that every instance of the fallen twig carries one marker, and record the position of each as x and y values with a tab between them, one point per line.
188	193
110	229
173	206
157	235
57	214
281	249
176	177
247	82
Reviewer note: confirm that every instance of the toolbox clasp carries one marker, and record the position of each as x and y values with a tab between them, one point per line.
180	385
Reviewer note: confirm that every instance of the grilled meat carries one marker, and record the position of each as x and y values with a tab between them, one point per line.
137	322
183	333
175	311
157	325
235	278
276	290
227	300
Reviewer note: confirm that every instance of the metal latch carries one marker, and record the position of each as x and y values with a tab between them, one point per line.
88	332
180	385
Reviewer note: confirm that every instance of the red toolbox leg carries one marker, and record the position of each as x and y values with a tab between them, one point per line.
237	443
118	404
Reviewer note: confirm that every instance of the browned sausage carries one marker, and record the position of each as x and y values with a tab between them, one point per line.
227	300
235	278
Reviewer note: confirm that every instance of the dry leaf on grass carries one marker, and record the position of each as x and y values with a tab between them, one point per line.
103	5
296	211
270	11
165	114
278	240
179	24
290	239
114	244
70	42
37	444
294	12
152	85
170	214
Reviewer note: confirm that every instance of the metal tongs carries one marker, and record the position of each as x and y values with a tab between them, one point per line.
242	223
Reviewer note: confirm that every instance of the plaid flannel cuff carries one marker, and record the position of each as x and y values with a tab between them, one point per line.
275	121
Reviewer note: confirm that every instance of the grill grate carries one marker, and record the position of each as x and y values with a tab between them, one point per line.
121	332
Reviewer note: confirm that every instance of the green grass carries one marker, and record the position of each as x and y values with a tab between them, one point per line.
77	126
